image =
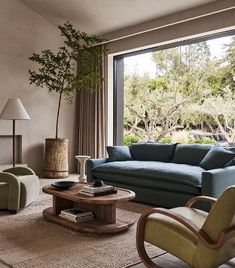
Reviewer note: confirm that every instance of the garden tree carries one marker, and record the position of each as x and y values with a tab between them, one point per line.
217	103
229	63
154	107
191	89
134	85
184	68
223	70
151	113
221	110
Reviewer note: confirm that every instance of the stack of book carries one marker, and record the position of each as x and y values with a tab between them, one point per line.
77	215
90	190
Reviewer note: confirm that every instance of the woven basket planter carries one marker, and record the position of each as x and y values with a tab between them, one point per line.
56	158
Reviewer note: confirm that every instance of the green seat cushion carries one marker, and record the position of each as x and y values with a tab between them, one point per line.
152	151
168	234
217	157
167	172
190	154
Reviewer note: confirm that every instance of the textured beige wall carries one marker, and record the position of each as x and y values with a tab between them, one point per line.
22	32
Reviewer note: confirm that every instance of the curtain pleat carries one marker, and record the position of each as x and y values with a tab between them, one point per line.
91	121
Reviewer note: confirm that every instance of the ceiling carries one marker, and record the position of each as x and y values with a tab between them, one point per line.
103	16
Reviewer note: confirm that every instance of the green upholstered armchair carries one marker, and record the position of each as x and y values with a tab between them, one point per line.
19	187
198	238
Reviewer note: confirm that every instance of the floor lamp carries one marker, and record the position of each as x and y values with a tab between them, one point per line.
14	110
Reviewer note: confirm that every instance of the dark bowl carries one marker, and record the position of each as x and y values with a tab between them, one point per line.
63	184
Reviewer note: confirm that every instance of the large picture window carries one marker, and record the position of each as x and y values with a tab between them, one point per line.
184	93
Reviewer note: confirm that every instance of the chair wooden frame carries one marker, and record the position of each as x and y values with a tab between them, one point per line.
201	235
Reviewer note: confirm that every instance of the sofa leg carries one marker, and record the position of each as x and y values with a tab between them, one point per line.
13	211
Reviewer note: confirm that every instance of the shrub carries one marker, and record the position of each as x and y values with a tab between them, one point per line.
128	140
166	139
203	141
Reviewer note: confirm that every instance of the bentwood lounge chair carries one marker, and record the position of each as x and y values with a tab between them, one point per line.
19	187
200	239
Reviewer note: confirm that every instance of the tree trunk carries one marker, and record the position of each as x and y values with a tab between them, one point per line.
56	158
58	115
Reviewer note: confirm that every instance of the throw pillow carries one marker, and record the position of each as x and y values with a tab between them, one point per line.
217	157
118	153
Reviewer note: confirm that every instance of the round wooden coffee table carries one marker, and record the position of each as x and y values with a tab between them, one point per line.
104	208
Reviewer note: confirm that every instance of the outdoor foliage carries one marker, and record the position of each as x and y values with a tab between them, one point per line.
191	90
128	140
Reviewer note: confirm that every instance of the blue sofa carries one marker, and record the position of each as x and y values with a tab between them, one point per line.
166	175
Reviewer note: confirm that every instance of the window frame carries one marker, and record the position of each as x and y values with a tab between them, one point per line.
118	78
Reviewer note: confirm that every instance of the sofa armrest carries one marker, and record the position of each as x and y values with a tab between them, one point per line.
14	189
215	181
20	171
92	163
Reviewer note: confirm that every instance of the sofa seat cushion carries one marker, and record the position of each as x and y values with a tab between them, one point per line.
154	171
157	184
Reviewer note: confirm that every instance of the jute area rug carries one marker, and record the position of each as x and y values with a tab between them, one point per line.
29	240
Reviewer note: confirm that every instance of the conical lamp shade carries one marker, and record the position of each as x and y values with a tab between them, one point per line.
14	109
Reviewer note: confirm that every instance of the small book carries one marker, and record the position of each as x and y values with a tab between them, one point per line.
67	217
88	218
76	220
76	212
113	191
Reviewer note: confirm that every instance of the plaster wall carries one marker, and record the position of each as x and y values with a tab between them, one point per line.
22	32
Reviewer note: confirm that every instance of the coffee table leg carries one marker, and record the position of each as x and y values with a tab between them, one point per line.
60	204
106	213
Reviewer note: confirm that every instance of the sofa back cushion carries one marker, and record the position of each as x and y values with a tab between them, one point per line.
190	154
118	153
217	157
152	151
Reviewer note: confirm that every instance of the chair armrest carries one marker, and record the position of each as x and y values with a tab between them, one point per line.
20	171
14	189
201	235
191	201
92	163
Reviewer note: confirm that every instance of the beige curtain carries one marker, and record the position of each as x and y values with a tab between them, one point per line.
91	121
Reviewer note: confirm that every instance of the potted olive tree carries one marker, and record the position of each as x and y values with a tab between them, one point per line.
59	72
